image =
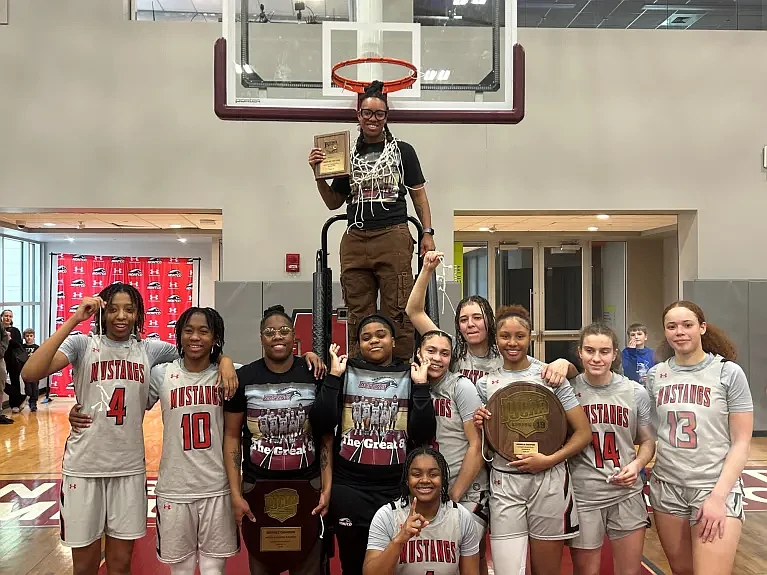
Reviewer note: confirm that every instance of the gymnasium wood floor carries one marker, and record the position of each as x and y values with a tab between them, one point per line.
30	461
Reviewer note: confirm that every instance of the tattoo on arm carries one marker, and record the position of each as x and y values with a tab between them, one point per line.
323	457
237	459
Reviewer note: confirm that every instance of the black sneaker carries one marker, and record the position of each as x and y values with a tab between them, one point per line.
32	407
5	420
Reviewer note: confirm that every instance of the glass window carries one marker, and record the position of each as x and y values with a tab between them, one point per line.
21	283
12	258
475	269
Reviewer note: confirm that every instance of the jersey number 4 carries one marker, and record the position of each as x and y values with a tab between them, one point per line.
684	422
606	451
196	430
117	405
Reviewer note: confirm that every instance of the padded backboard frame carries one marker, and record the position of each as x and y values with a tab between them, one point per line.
404	108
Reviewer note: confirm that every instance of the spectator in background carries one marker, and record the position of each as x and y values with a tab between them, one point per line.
32	388
4	341
15	358
637	359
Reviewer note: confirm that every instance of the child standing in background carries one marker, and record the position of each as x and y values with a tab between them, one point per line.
31	388
637	359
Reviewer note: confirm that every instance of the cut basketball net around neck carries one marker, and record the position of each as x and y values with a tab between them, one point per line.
373	180
442	283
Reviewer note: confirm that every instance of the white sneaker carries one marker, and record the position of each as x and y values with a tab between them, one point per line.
15	410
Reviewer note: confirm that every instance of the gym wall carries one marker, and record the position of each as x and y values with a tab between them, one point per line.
99	111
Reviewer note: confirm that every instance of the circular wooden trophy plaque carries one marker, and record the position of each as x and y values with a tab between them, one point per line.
526	418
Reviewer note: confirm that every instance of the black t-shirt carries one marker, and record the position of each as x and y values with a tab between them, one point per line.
277	437
377	415
377	202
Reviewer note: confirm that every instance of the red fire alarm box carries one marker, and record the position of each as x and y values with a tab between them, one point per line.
292	263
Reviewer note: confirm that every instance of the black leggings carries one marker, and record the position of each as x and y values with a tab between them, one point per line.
15	395
352	545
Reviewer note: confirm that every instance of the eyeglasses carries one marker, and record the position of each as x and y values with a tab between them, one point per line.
270	332
367	113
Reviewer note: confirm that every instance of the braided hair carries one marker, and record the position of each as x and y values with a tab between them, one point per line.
109	292
461	345
374	90
274	310
215	324
441	463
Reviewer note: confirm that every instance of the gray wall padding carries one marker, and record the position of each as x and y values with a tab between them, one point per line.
241	304
740	309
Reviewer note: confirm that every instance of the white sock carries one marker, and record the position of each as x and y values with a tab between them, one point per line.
212	565
185	567
509	555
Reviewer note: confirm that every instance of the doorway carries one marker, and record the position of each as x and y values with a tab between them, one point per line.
549	280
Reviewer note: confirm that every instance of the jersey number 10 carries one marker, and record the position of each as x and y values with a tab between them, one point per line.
195	428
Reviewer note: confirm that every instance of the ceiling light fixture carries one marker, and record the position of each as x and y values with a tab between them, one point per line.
70	239
484	229
593	228
175	226
603	217
49	225
182	240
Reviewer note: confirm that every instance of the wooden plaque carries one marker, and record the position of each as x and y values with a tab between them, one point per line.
285	531
526	418
336	163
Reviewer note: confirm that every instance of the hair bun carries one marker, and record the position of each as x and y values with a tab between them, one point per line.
374	88
273	309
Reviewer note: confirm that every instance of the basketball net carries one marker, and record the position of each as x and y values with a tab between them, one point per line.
442	283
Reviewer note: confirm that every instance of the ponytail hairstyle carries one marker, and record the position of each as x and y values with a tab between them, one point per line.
713	341
598	328
432	333
274	310
374	90
461	345
513	311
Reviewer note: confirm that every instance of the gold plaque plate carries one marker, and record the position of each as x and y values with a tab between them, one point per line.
280	539
525	447
336	149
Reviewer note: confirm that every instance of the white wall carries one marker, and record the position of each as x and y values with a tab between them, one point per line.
143	246
671	291
646	281
97	111
614	287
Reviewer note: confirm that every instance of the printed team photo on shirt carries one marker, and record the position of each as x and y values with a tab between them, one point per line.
278	419
374	420
382	187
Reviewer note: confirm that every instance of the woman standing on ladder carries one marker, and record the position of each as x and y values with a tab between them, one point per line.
377	248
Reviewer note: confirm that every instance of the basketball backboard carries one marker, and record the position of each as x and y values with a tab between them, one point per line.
275	58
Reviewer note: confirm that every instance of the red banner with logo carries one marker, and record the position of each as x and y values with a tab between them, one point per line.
166	284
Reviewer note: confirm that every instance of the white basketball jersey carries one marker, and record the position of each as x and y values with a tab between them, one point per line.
693	424
451	437
192	463
612	413
111	381
474	367
437	549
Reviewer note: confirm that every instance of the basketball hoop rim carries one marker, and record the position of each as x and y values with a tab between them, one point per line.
359	87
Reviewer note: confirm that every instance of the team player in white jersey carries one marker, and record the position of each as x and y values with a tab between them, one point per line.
532	496
457	439
423	532
705	423
476	349
194	508
606	475
104	474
